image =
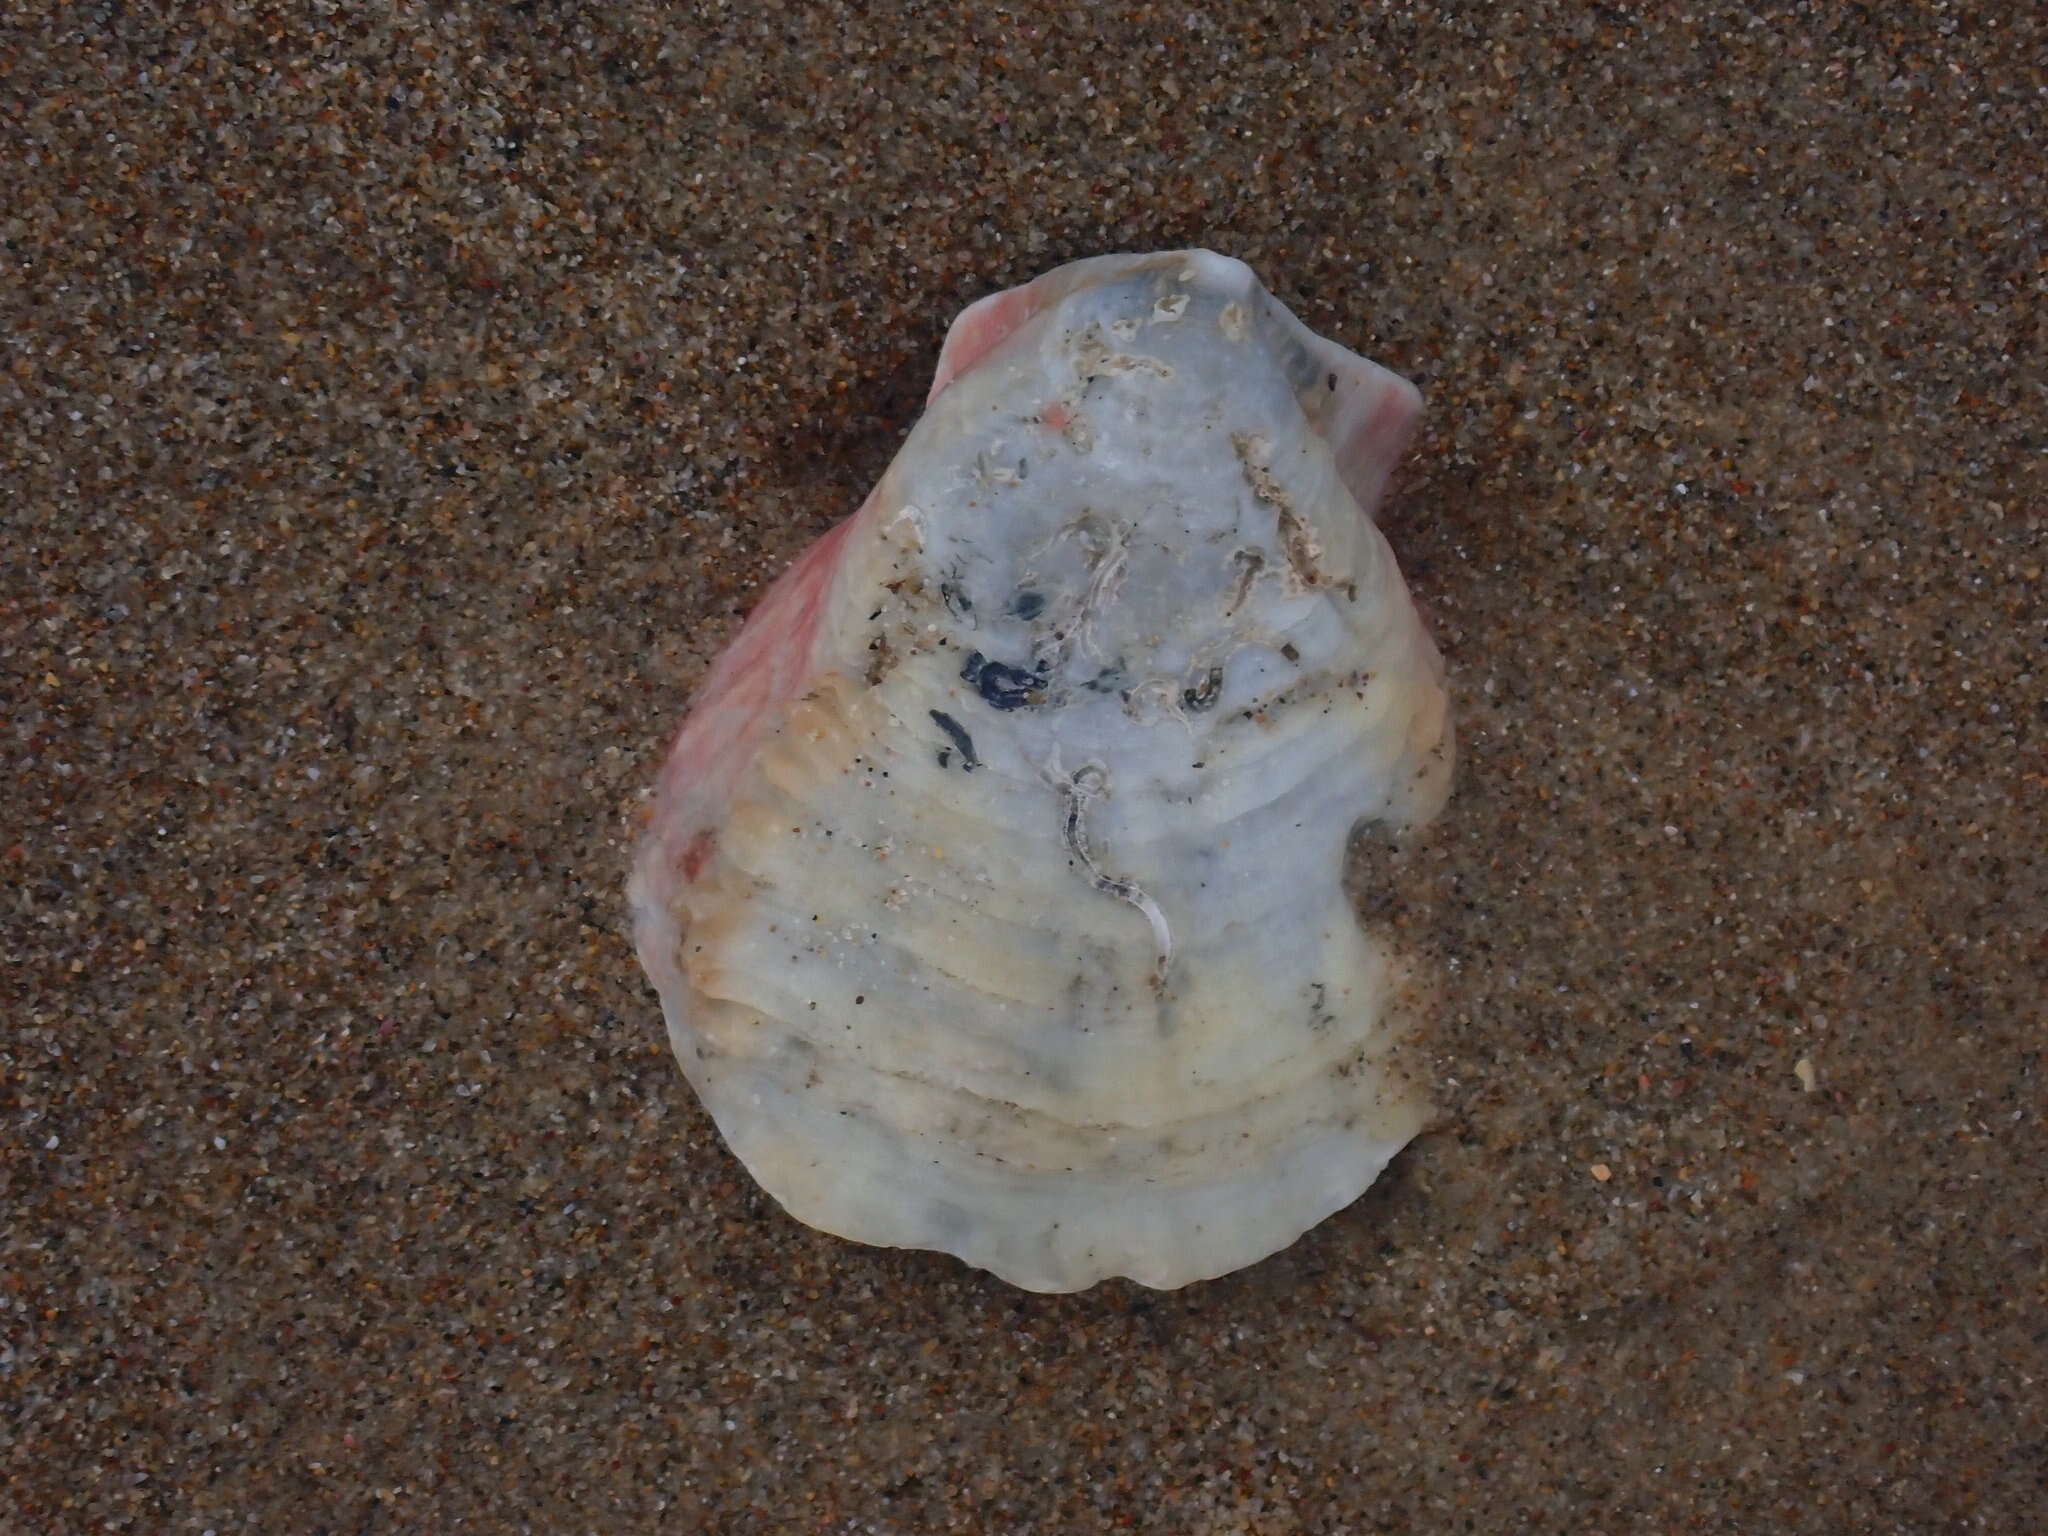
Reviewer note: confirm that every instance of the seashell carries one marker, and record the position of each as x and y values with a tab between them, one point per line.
993	887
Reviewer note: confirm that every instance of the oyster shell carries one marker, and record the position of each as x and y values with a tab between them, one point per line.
993	885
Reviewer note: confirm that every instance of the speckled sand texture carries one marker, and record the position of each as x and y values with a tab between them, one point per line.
396	416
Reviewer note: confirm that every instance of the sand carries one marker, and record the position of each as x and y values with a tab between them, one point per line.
397	415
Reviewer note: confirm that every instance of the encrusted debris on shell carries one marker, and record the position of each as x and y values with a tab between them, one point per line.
993	888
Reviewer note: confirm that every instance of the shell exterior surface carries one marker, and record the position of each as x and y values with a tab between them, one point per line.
993	889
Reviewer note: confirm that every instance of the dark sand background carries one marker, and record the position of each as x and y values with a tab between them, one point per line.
397	414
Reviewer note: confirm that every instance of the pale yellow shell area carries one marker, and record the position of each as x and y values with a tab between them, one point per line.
1045	961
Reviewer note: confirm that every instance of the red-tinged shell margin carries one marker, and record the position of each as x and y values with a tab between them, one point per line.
740	700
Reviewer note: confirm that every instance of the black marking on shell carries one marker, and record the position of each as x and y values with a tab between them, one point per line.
1320	1015
957	733
1203	694
1027	605
1002	686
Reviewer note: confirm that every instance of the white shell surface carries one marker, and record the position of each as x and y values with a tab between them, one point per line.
993	888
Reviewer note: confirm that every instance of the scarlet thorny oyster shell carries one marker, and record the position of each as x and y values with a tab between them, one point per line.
993	886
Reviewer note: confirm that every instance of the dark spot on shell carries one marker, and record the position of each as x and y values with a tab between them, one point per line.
957	734
1203	694
1002	686
1320	1014
1027	605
